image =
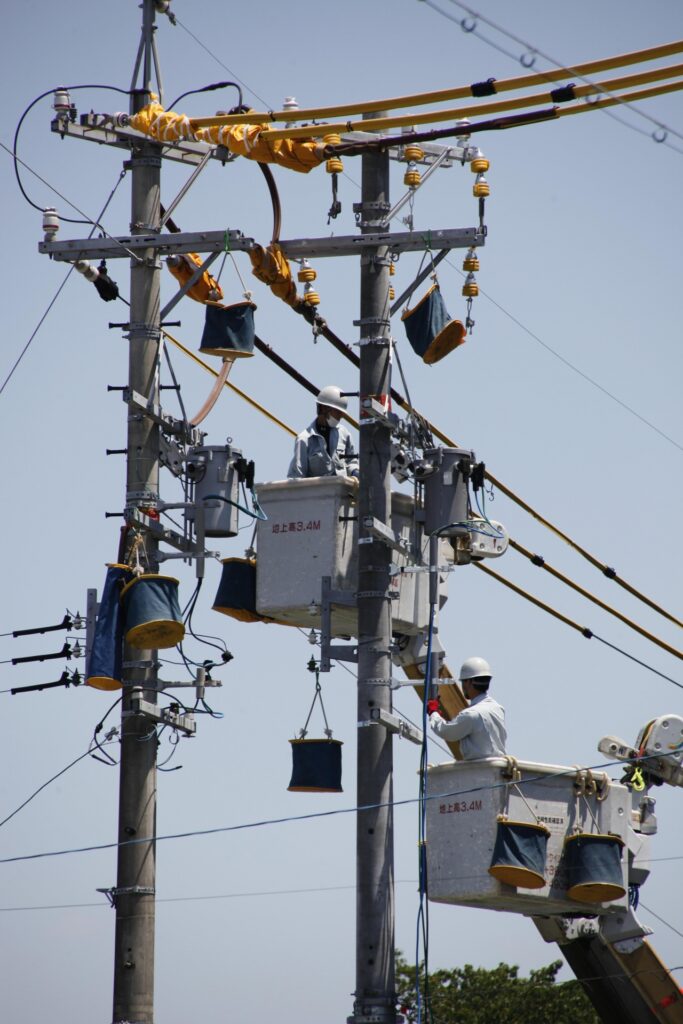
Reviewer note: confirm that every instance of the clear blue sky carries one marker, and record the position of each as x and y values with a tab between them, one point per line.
583	251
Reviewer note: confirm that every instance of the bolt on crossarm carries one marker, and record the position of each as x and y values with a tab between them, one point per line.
375	998
134	897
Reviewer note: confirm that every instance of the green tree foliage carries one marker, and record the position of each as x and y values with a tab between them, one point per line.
473	995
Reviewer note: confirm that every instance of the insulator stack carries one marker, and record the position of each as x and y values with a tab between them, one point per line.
306	272
311	297
481	189
413	153
471	260
479	164
470	288
334	165
412	177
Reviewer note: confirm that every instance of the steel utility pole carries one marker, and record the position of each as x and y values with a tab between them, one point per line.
134	897
375	997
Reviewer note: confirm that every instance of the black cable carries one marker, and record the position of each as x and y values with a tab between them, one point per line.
219	61
48	92
594	636
208	88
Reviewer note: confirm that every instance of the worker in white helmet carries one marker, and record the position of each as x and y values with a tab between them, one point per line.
325	448
480	728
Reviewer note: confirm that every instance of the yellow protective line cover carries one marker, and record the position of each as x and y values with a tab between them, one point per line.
442	95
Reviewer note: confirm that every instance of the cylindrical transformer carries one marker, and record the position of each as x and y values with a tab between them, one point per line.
446	491
216	479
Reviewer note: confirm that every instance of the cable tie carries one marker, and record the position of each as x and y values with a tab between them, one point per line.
587	633
564	94
537	560
610	573
487	88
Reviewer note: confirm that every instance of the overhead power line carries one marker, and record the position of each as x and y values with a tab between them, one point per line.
583	630
312	816
581	71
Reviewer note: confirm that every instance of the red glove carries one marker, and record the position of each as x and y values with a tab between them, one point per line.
433	706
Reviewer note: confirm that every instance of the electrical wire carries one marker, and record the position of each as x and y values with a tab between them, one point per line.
534	51
88	753
208	88
13	151
61	286
584	630
581	373
218	60
313	815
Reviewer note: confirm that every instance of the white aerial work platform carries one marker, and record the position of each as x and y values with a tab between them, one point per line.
465	799
311	533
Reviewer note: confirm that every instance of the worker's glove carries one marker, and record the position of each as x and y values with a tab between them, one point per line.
433	707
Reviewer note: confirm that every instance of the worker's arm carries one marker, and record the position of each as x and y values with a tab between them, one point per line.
351	457
460	726
298	467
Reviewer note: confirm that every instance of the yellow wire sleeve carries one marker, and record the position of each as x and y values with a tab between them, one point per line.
629	97
233	387
596	600
412	119
443	95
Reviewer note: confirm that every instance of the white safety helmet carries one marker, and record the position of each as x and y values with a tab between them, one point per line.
332	397
475	668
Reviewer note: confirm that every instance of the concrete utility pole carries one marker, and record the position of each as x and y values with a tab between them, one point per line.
134	898
375	985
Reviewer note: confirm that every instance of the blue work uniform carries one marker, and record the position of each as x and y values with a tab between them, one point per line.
317	455
480	728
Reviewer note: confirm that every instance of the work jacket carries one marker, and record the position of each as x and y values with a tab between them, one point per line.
480	728
316	456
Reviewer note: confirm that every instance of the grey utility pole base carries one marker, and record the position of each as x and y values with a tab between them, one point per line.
134	896
375	995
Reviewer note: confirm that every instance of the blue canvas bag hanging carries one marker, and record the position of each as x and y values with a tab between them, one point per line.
104	668
316	764
519	854
229	330
430	330
594	869
152	612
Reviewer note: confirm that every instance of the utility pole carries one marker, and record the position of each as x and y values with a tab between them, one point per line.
375	996
134	896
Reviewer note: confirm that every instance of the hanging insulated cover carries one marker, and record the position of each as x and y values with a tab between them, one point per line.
229	330
271	266
236	595
593	866
183	266
104	668
316	766
152	612
431	332
519	854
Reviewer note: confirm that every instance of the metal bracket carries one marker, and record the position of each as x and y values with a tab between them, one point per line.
330	652
383	533
394	724
381	342
177	428
372	411
162	716
126	890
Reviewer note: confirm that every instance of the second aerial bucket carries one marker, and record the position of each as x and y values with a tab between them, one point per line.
152	612
236	595
519	854
316	766
105	661
229	330
593	865
431	331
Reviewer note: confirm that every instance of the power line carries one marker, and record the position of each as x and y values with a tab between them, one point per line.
572	366
527	60
219	61
313	815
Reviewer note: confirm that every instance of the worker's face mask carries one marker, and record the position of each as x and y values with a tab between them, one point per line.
332	421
